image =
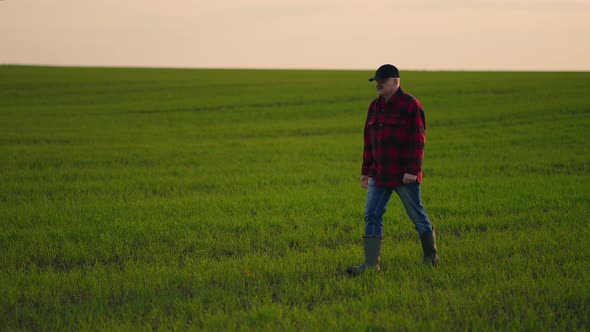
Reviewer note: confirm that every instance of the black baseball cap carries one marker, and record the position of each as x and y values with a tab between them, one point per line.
384	72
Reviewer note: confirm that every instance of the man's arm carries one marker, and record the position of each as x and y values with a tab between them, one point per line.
367	154
415	143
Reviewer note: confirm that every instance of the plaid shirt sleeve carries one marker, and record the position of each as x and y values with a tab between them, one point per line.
416	137
368	148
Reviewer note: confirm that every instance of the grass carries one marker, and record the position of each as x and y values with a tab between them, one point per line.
229	199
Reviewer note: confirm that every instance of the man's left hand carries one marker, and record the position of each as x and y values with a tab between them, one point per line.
409	178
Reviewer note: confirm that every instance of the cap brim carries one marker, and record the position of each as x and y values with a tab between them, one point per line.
380	78
376	78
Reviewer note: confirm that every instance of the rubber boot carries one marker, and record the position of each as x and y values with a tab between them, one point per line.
372	244
429	248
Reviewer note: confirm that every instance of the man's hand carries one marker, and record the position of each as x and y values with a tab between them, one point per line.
364	181
409	178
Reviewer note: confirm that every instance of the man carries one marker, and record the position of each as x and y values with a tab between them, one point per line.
392	162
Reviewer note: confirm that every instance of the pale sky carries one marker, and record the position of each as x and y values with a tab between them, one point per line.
315	34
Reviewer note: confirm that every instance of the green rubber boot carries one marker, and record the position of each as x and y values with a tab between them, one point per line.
372	244
429	249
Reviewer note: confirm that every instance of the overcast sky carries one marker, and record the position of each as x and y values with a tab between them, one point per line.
331	34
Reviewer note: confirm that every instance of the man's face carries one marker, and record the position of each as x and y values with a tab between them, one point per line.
388	86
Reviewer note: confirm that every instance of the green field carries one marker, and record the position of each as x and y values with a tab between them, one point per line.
229	200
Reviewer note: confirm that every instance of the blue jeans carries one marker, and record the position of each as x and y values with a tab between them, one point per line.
377	198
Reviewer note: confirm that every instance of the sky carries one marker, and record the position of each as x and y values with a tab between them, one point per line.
543	35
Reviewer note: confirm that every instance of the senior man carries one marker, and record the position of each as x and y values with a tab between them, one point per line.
394	136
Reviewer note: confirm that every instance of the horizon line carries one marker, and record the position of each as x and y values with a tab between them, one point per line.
284	68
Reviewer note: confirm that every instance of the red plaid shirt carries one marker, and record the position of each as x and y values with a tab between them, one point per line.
395	132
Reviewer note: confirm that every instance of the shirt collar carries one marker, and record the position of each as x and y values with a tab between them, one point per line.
396	95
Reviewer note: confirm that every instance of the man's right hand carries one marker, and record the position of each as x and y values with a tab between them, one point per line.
364	181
